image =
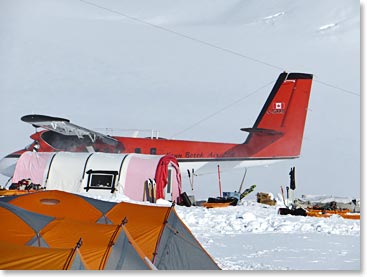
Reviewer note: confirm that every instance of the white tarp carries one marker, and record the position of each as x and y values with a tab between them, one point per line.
67	171
108	163
97	174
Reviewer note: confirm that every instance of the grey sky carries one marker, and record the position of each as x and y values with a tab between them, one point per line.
168	65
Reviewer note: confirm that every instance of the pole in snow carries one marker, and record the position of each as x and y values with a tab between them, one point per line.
281	189
191	178
243	179
220	184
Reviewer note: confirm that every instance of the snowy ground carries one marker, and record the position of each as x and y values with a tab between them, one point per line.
252	236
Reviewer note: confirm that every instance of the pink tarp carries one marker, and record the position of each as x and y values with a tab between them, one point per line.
138	170
32	165
141	167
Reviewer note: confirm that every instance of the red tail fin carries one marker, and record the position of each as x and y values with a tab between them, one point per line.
278	130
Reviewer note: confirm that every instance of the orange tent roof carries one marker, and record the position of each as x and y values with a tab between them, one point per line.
21	226
22	257
144	223
155	232
16	229
99	240
61	205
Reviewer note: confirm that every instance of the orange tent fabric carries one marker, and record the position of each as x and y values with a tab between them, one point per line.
60	204
16	229
144	223
98	239
21	226
103	244
20	257
156	232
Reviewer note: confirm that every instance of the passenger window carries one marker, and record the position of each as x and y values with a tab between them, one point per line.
153	151
137	150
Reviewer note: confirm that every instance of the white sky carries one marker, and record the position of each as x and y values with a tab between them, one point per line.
167	65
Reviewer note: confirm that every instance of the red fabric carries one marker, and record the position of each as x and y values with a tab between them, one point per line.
161	175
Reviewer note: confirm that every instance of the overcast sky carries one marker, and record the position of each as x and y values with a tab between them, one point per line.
176	65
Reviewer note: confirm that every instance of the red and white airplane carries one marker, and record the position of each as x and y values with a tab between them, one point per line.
276	135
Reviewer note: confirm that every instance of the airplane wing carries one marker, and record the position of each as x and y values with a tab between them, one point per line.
65	127
262	131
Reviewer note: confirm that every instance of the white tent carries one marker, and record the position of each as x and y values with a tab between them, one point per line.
102	174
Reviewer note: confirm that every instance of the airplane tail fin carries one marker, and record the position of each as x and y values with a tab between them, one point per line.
278	130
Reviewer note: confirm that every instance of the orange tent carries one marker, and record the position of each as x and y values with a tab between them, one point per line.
327	213
21	226
104	246
157	230
62	205
20	257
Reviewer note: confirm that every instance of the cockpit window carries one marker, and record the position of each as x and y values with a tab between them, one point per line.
75	144
66	143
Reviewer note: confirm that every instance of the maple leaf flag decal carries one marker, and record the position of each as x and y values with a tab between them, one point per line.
279	106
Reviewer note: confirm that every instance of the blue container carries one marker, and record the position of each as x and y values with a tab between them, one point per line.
227	194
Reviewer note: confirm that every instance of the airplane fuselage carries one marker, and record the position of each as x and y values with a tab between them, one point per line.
277	134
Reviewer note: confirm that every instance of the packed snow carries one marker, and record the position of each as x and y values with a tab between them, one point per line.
253	236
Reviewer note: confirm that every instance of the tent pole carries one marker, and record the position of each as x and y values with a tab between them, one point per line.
72	253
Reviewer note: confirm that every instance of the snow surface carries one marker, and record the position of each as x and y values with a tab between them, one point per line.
252	236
